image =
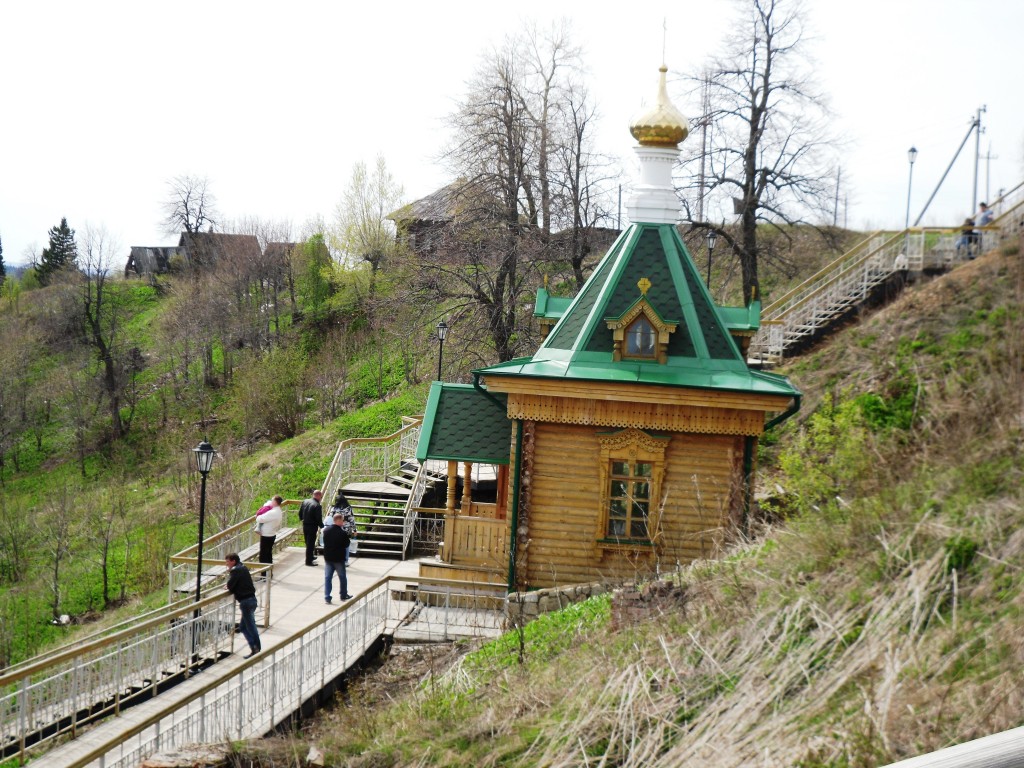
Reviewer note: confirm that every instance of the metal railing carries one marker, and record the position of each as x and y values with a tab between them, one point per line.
419	488
849	280
371	459
241	538
56	694
269	688
817	301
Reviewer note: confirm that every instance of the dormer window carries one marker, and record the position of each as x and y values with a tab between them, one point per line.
640	339
640	333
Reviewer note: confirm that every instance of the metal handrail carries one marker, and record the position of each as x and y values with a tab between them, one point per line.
773	308
845	281
80	683
265	690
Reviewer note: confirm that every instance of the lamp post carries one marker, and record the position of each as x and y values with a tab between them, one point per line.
911	156
204	460
712	238
442	334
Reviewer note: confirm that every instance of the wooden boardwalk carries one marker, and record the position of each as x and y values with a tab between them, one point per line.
296	606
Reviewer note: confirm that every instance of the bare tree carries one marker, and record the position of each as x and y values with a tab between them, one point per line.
62	521
768	148
521	135
104	308
190	205
20	342
362	231
582	181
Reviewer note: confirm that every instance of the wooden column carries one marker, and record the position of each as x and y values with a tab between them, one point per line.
501	501
450	521
452	482
467	487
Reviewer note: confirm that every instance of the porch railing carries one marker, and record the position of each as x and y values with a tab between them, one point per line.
475	541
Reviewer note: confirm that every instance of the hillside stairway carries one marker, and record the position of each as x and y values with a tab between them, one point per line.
861	276
385	485
380	507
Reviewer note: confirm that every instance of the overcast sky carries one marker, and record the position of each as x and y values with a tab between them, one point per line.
101	102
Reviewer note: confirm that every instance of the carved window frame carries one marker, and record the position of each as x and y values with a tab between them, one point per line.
620	327
631	446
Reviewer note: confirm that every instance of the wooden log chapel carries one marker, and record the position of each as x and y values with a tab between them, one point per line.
626	444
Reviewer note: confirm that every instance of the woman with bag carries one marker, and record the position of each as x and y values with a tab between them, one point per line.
268	522
343	508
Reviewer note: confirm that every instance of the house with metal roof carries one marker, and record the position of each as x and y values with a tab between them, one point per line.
628	440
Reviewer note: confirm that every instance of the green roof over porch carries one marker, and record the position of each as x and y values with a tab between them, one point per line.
463	423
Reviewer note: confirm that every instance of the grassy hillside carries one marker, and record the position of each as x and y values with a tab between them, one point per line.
88	518
875	614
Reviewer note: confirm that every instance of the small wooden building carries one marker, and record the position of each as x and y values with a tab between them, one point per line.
634	427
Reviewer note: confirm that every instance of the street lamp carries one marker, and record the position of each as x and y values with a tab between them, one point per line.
204	460
911	156
442	334
712	238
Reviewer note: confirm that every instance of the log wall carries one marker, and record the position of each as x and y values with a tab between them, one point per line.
700	492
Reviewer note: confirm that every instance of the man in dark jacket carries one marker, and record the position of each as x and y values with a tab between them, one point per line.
240	585
311	515
336	541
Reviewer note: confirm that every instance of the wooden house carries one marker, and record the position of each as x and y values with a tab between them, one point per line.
145	261
631	434
206	249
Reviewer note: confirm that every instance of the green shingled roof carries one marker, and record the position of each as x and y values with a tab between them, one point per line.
701	351
462	423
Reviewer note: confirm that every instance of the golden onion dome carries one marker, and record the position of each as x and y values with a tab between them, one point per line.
662	125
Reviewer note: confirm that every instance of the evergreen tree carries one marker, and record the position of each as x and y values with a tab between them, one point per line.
3	268
61	252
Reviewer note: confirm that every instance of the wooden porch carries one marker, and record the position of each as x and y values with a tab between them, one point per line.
475	545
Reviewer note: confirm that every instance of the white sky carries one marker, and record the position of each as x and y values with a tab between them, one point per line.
102	102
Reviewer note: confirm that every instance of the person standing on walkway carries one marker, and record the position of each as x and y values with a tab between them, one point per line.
984	215
336	541
342	506
240	585
311	514
268	523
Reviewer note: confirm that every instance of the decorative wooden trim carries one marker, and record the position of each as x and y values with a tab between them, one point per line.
623	415
620	326
631	445
637	393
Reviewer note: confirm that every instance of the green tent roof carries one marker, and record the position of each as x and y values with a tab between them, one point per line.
701	351
463	423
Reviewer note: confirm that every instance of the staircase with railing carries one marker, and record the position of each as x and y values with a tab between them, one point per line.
815	306
385	485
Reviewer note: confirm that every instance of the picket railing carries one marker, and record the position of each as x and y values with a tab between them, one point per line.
475	540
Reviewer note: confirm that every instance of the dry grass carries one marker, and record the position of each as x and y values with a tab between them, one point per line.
887	629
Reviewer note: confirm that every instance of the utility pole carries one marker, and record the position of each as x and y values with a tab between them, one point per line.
705	105
977	154
989	157
835	208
